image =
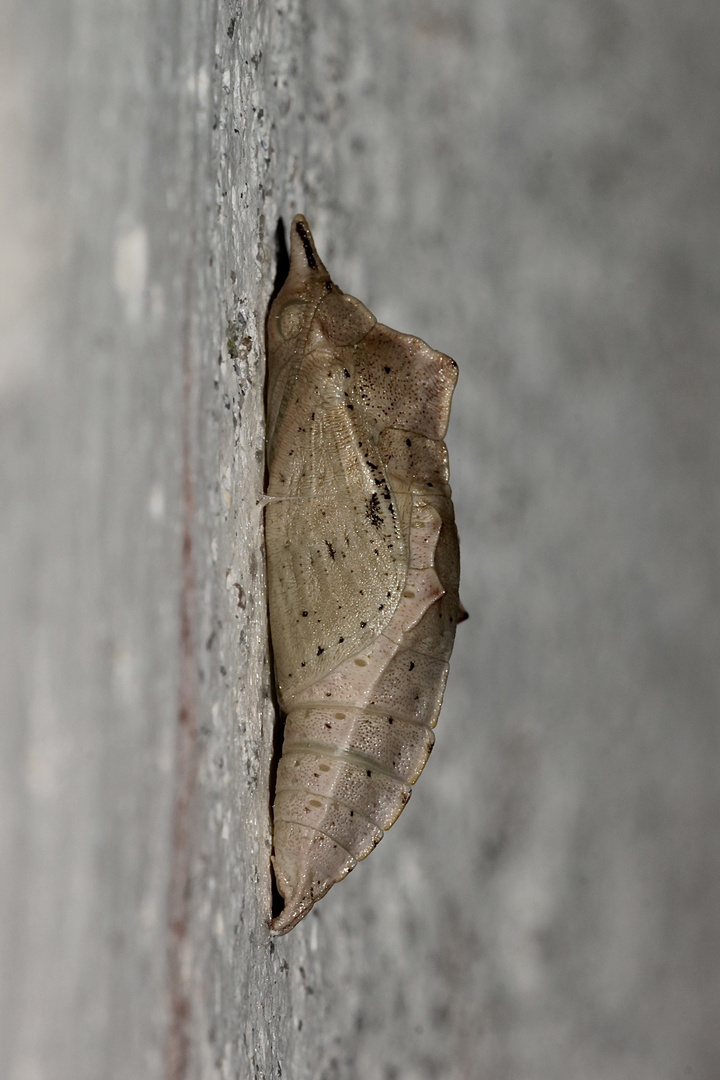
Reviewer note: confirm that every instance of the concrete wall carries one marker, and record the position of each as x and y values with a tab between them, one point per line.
533	188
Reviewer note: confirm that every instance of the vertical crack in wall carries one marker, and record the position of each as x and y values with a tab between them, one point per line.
178	1038
178	1046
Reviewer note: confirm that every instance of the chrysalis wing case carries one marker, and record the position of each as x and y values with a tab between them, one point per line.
363	568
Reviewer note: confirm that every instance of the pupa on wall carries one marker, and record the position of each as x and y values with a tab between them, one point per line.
363	569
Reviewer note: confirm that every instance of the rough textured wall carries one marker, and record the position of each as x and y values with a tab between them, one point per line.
533	189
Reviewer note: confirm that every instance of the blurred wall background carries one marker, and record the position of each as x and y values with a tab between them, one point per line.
533	188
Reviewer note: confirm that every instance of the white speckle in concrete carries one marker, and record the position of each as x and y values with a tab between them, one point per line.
130	270
156	503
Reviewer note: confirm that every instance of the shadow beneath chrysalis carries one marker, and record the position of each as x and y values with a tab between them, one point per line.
277	902
281	273
283	261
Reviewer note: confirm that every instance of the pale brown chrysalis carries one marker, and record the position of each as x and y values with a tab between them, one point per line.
362	558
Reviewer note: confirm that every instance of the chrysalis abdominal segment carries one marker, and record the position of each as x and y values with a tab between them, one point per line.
363	570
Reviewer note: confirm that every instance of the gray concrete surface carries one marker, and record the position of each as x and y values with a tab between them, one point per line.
534	189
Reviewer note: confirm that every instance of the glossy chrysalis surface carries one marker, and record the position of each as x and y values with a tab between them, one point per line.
363	568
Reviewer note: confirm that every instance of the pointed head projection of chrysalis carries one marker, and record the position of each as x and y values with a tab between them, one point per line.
309	313
363	569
